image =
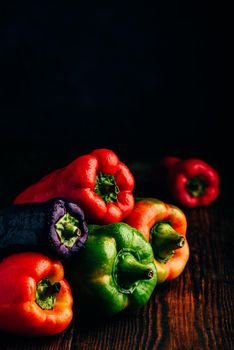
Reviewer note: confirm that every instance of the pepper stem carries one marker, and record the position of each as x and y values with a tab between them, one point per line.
196	186
130	270
46	293
164	241
68	230
106	187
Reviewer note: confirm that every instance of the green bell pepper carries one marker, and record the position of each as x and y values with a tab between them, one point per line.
115	271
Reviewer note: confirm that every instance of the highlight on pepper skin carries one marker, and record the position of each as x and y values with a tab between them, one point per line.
35	299
114	272
99	182
164	226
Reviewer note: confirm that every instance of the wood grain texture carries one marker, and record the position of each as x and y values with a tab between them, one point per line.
195	311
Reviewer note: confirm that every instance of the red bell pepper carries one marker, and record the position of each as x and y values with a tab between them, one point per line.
164	226
99	182
35	299
192	182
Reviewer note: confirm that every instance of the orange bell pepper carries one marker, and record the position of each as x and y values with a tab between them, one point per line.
164	226
35	299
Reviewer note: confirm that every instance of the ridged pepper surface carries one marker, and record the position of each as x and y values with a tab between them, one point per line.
99	182
35	299
164	226
114	272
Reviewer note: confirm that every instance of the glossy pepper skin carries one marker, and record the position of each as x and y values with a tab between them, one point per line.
192	182
99	182
115	271
35	299
164	226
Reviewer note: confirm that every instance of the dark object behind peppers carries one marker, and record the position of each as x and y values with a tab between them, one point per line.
57	227
35	299
99	182
192	182
114	272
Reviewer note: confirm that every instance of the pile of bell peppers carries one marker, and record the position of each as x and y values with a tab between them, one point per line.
127	245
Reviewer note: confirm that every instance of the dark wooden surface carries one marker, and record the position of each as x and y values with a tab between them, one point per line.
195	311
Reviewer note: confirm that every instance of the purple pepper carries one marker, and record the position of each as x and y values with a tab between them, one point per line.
56	227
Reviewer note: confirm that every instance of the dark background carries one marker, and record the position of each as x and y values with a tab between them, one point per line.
144	80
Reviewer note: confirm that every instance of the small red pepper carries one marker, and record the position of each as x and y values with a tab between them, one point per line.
35	299
164	226
192	182
99	182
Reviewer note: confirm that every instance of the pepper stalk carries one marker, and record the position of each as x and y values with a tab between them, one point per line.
165	240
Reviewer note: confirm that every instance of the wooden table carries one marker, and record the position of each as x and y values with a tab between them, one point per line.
195	311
